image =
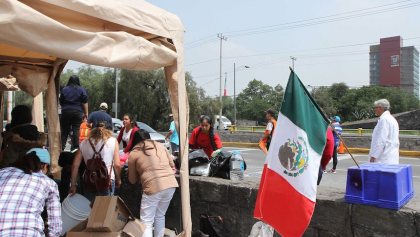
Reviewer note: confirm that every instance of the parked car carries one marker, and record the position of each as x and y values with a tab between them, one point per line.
117	124
225	122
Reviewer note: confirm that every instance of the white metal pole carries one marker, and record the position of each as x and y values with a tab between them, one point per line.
9	106
117	75
221	37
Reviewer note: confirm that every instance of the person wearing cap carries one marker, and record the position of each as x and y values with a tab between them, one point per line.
337	131
269	130
74	106
173	135
101	116
25	191
385	143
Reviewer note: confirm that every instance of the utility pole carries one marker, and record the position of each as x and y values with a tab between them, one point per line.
293	62
117	78
234	94
222	38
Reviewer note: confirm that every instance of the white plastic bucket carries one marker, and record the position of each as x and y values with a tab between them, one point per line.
74	210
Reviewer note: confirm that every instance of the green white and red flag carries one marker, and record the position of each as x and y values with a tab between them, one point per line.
287	193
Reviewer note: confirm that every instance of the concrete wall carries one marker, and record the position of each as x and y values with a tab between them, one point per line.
235	201
407	121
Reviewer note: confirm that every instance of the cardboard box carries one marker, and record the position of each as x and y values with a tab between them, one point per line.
133	228
80	231
109	214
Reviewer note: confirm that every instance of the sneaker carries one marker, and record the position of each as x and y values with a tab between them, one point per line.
333	171
324	171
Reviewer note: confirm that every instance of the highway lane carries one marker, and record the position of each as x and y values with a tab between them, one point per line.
332	182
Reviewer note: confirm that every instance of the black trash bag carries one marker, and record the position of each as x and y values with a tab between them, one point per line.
219	165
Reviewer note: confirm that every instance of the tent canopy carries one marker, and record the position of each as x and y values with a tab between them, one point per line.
37	37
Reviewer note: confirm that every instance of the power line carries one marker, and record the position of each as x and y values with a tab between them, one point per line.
309	21
316	18
265	64
296	51
314	21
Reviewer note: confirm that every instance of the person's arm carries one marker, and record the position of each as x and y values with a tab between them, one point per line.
169	134
117	166
380	133
133	176
119	139
85	109
192	142
53	206
74	172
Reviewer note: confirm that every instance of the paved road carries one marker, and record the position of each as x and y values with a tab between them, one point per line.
336	182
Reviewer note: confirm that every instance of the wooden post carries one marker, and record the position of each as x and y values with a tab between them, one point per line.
38	112
54	131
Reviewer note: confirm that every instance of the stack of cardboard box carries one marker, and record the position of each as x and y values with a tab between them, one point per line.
110	217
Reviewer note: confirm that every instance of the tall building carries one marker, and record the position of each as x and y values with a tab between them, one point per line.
391	64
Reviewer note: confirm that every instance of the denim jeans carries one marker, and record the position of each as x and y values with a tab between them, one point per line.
91	195
153	210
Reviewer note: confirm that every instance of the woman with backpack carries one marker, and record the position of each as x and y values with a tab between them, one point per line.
152	165
203	137
103	169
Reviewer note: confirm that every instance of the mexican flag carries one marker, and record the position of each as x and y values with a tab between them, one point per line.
287	193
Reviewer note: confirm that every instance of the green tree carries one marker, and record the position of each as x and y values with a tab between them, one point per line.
256	98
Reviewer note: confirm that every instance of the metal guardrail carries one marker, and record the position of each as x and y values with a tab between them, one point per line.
358	131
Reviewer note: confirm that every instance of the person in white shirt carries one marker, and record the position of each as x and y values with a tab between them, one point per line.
385	141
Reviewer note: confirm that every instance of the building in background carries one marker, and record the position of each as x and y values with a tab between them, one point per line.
391	64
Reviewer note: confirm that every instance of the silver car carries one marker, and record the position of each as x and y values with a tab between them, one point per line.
117	124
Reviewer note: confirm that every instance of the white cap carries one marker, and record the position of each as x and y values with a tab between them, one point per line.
103	106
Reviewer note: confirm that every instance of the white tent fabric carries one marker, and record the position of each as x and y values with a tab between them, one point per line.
41	35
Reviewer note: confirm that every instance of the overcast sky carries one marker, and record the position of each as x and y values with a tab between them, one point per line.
264	34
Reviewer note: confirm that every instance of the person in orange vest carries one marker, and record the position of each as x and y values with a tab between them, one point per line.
84	130
269	130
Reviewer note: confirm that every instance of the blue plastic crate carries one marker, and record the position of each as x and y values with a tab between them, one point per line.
381	185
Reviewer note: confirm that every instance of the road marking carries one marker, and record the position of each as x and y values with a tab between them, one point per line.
242	149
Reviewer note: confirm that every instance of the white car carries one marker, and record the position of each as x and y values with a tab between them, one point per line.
226	123
117	124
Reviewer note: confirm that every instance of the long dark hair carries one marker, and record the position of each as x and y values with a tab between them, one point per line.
21	114
29	163
211	131
140	137
132	119
73	81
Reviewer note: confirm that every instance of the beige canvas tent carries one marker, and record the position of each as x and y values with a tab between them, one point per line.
37	37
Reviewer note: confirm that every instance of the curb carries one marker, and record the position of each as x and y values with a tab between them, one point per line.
413	154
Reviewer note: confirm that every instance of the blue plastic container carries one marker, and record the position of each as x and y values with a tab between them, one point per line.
381	185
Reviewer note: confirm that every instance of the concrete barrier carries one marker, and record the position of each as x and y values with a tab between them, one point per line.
235	201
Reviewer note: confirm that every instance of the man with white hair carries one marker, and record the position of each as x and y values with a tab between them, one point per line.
385	142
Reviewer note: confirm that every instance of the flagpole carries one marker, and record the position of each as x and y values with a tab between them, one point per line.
329	122
345	146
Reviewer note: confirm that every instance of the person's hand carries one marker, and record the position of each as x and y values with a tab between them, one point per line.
372	160
118	183
214	154
72	190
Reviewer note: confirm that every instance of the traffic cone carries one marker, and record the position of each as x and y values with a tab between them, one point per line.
341	148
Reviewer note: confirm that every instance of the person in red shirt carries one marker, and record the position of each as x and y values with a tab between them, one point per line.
203	137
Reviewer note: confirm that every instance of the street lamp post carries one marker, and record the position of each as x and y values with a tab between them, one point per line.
234	91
